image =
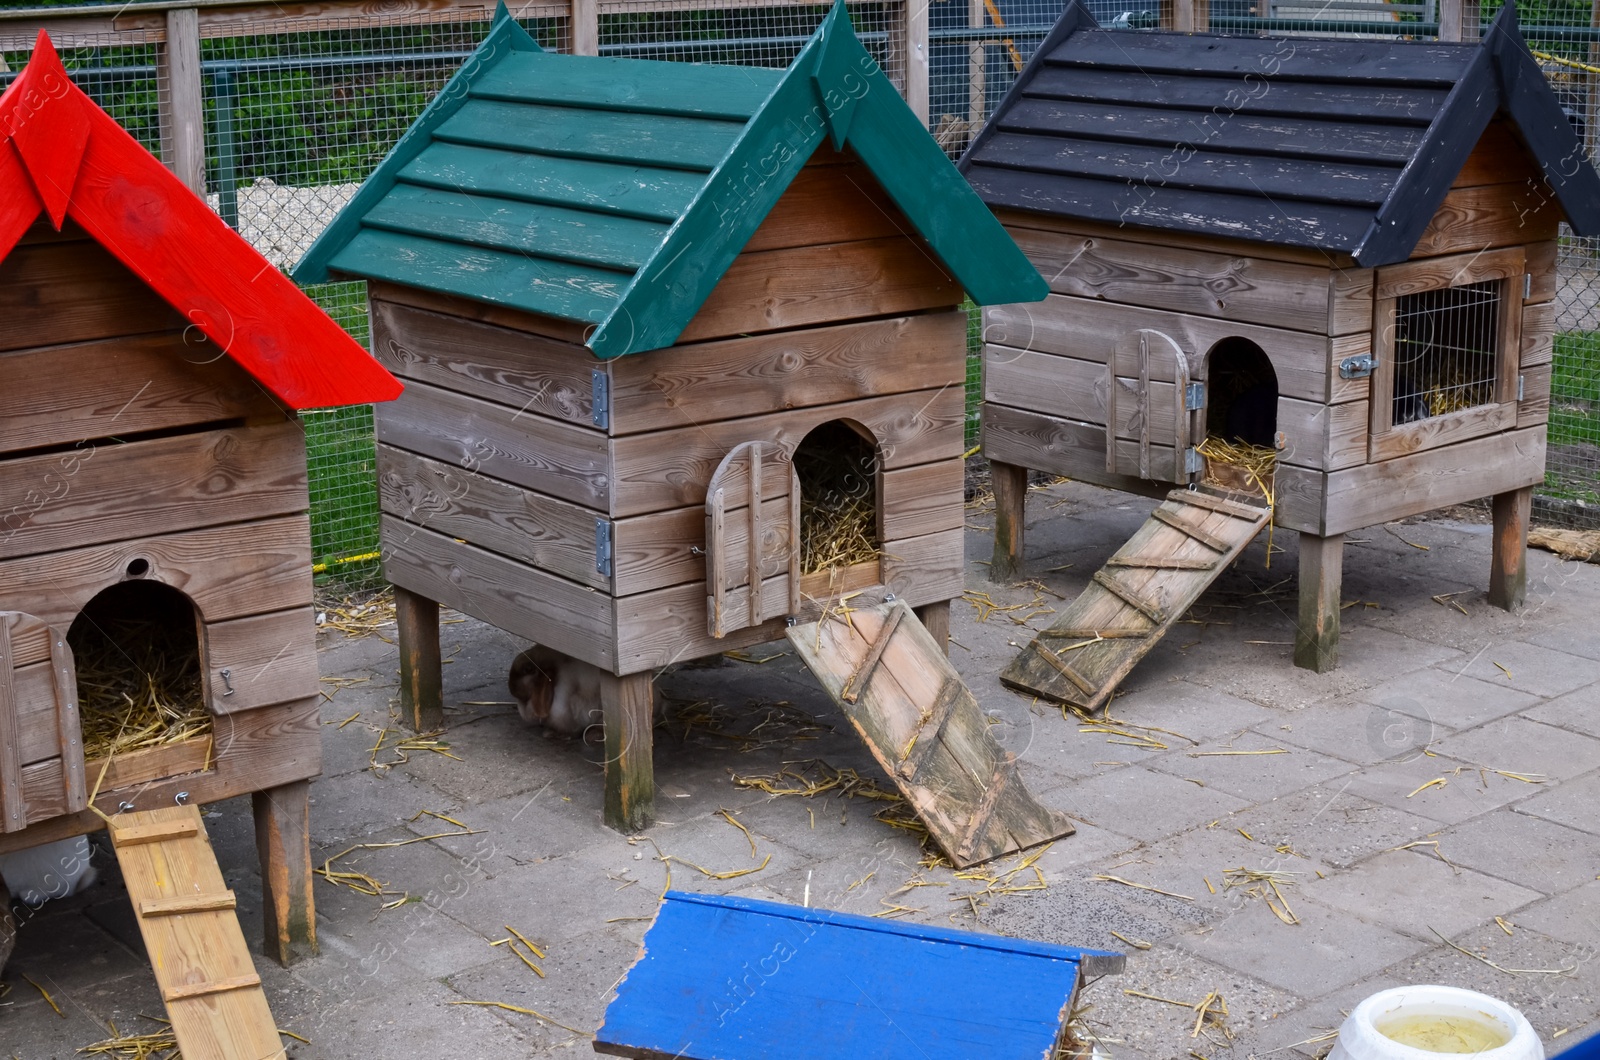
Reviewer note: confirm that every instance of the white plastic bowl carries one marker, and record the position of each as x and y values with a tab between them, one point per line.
1449	1013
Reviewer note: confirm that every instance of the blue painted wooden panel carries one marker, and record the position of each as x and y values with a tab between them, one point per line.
737	979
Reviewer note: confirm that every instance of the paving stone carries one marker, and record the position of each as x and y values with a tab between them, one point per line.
1467	792
1263	776
1542	671
1565	994
415	1019
1577	711
1353	730
1575	804
1199	713
1518	745
1143	803
1574	638
1572	916
1308	1032
1550	858
1330	824
1078	911
1448	699
1327	950
1413	890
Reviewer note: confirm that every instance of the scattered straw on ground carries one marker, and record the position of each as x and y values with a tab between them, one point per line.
816	777
359	615
1266	885
757	725
139	686
159	1044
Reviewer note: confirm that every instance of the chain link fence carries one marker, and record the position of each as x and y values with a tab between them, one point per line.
299	112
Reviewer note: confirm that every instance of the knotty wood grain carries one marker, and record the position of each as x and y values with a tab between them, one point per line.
1490	215
52	294
283	845
121	386
226	571
837	203
468	309
630	768
1316	635
271	658
1508	569
150	487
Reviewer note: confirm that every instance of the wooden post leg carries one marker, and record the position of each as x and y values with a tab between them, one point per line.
630	769
1316	637
283	843
1010	497
421	672
935	618
1508	573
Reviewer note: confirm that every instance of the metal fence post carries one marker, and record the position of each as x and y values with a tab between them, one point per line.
226	91
183	122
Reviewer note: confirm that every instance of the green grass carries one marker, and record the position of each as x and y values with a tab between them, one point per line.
1574	418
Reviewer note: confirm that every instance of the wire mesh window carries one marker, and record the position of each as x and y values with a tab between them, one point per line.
1446	350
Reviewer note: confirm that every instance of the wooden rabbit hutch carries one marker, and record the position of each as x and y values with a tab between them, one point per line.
1343	249
154	476
633	303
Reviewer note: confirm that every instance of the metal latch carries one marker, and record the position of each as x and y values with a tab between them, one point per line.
1357	367
1194	396
600	398
602	547
1193	463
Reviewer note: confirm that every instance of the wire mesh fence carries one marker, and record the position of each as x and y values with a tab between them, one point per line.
297	113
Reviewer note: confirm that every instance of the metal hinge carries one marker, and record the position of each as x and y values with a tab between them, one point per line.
1194	396
1357	367
1527	285
1193	464
602	547
600	396
1521	382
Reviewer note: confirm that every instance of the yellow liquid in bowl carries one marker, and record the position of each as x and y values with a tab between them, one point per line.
1440	1033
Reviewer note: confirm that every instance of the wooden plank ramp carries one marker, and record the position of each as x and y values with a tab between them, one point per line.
925	728
191	931
720	977
1133	600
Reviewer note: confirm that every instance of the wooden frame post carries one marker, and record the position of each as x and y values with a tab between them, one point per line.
421	670
283	843
935	618
1010	511
1316	636
1508	570
628	705
915	34
183	134
585	27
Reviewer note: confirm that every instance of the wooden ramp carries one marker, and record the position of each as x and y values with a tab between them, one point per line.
727	978
1135	598
922	724
186	915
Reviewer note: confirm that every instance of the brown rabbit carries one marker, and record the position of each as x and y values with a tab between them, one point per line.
559	693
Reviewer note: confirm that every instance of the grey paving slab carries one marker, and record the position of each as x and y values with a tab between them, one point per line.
1252	766
1331	825
1194	711
1574	638
1528	748
1353	730
1327	950
1530	668
1535	853
1079	911
1407	889
1309	1031
1575	804
1572	916
1578	711
1466	790
1448	699
1556	984
1143	803
413	1020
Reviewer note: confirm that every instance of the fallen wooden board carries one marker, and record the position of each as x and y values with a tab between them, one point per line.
1135	598
186	915
727	978
923	725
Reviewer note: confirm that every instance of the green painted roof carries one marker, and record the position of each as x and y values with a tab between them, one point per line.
616	192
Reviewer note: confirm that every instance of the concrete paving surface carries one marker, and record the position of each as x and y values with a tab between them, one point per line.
1486	879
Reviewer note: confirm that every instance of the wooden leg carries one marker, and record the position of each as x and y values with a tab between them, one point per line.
630	769
1010	497
935	618
283	843
1316	638
421	672
1508	573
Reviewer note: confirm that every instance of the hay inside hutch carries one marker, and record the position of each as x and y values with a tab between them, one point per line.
156	631
666	330
1343	250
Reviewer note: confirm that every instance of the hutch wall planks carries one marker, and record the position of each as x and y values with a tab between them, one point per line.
1354	262
157	488
588	339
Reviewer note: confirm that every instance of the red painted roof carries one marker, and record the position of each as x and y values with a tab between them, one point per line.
63	156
